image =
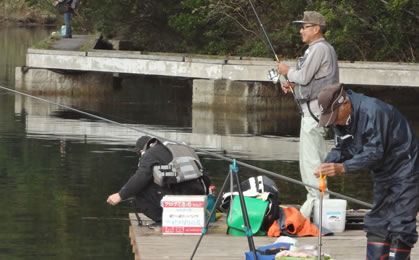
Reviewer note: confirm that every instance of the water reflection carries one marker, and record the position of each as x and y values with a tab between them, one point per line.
218	121
49	120
13	45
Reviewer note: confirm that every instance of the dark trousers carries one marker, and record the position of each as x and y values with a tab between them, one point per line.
148	202
67	21
393	215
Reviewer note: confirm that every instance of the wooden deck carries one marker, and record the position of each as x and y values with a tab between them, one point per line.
149	244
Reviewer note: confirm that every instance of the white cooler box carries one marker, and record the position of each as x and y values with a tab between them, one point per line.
183	214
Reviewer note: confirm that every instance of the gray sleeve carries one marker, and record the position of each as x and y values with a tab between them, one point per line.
310	67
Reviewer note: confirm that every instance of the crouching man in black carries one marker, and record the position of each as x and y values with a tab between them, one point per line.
142	185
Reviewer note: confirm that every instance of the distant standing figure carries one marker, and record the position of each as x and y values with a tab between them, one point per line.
66	8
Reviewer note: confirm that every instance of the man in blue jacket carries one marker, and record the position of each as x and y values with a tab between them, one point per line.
372	134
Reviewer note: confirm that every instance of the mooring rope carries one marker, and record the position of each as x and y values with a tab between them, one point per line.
246	165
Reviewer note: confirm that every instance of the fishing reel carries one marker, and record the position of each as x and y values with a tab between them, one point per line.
273	75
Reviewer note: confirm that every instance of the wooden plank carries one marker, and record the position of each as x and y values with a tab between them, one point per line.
133	243
151	244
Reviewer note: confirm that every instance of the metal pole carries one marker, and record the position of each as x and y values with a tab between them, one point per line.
249	233
204	230
320	228
322	187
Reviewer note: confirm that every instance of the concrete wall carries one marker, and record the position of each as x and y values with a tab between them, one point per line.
48	82
235	95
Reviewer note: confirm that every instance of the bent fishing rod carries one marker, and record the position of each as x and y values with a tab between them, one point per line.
249	166
276	56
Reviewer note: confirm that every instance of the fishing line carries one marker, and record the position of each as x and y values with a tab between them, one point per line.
300	110
249	166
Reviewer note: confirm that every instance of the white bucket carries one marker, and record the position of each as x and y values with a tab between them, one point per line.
334	214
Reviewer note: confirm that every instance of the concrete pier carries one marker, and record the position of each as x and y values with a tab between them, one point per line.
234	83
212	67
77	83
235	95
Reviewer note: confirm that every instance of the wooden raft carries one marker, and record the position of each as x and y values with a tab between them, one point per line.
149	244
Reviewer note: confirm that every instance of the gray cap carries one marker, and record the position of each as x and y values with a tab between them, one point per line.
313	18
330	99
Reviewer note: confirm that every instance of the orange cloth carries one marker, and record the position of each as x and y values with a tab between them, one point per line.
295	224
274	230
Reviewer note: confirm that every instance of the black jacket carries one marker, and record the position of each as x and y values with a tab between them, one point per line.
143	177
378	138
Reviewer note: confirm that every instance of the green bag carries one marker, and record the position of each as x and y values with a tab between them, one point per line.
256	210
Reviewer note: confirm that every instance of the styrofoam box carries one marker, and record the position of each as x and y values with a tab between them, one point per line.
183	214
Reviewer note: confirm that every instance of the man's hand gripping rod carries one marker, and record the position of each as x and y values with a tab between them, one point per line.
276	57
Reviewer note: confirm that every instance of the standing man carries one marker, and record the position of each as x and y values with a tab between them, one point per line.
372	134
315	70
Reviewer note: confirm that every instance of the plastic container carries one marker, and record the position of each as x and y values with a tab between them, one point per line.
63	30
334	214
210	206
211	203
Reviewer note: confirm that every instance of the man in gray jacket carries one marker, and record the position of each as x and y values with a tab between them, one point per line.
315	70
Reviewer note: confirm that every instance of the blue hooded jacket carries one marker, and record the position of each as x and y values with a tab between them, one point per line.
378	138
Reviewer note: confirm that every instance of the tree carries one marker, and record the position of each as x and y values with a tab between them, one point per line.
375	30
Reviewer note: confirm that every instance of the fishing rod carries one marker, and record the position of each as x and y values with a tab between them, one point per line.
246	165
322	187
276	56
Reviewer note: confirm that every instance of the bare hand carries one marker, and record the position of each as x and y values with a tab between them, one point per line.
114	199
283	69
286	86
329	169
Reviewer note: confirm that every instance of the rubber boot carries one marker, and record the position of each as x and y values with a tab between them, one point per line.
399	251
378	248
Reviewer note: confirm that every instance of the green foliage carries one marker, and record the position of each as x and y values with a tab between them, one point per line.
373	30
47	42
384	30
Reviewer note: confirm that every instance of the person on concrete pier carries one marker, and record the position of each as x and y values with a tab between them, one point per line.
315	70
66	7
374	135
143	185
